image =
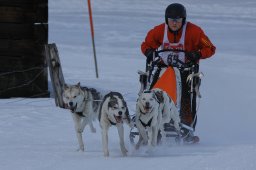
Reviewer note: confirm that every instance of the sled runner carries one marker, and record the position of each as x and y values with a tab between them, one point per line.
168	79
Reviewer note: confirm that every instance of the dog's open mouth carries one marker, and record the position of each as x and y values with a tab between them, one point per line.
147	108
119	119
66	106
73	108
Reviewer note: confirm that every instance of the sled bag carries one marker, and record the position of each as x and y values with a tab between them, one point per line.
170	82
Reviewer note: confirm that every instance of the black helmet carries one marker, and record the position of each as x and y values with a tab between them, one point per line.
175	10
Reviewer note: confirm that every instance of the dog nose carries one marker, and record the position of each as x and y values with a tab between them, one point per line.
147	104
120	113
70	103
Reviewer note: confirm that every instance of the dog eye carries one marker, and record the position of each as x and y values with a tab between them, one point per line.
151	99
114	107
74	96
143	98
123	107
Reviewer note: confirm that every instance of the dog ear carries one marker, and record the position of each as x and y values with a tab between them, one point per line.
81	89
78	84
127	112
159	96
112	100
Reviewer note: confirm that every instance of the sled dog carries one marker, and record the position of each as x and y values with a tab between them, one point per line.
147	119
154	108
113	111
83	103
168	110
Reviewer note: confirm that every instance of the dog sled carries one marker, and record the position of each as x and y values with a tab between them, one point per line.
168	79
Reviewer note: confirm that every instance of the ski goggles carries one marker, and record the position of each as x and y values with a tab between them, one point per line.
175	20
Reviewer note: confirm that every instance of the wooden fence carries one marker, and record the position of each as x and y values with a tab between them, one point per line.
23	35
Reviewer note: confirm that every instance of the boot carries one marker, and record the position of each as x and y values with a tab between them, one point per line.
189	137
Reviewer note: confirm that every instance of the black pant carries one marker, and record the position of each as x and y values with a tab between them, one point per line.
188	101
187	111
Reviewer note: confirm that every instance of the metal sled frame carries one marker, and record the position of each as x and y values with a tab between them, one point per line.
148	79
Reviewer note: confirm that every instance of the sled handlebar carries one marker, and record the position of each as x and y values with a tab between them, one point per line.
157	62
178	63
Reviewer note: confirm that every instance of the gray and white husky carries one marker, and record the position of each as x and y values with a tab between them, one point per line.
113	111
83	103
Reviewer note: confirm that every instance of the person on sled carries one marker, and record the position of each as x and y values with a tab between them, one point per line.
179	34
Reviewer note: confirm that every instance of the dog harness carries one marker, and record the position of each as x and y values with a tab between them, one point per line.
148	124
144	124
80	113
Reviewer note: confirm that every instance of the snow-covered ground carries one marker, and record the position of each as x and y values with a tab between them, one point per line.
36	135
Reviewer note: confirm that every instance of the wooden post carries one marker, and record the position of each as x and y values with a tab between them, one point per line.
56	74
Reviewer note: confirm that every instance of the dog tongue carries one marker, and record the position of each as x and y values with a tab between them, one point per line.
147	109
118	119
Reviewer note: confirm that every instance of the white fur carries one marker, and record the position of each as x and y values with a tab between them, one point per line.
108	117
79	100
161	110
147	109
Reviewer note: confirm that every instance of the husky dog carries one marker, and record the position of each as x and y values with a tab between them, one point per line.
83	103
154	108
113	111
168	111
148	119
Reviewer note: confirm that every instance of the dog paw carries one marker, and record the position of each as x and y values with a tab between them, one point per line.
79	130
80	149
145	142
137	146
93	130
150	150
124	152
106	154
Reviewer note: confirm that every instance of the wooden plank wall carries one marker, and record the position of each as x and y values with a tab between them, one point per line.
23	34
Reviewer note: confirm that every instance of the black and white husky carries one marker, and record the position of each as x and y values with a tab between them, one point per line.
113	111
83	103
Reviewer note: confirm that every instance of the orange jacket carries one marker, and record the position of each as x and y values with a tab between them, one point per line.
195	40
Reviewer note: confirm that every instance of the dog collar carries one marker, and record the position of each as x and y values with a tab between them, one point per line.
112	123
80	114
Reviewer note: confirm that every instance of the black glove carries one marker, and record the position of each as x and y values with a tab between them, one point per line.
194	56
149	54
